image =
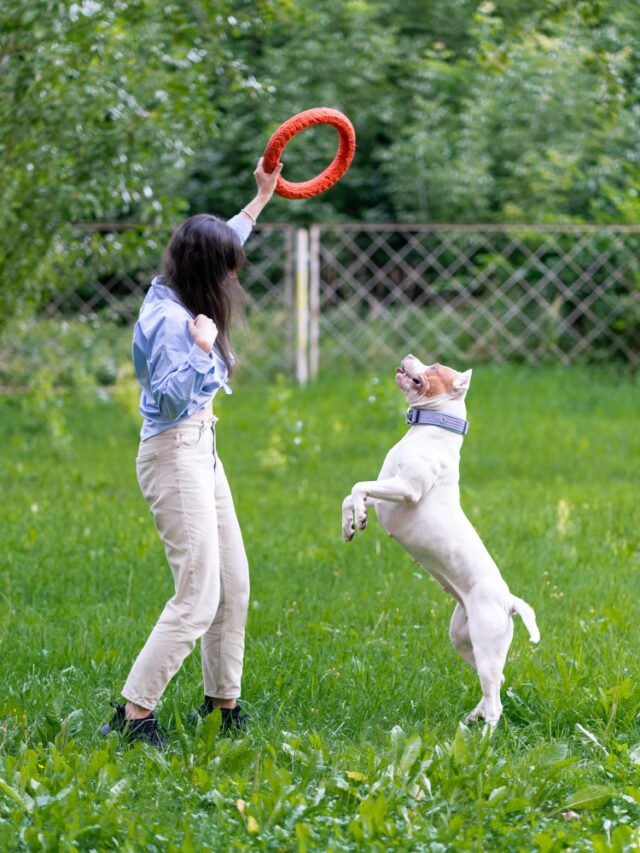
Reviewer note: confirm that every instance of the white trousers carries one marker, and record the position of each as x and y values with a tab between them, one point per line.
187	491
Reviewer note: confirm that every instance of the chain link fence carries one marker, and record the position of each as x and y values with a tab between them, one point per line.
474	293
365	295
87	326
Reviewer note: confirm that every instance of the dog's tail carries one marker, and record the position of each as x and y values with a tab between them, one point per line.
527	615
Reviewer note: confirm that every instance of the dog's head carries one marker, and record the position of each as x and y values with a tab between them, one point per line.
419	382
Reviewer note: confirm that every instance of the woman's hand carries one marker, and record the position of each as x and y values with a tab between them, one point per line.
266	181
266	185
204	332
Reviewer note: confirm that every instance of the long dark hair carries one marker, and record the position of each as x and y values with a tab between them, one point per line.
200	264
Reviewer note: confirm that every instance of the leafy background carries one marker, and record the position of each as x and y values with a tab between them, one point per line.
464	111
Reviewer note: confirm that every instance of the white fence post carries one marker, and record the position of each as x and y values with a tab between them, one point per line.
289	296
302	305
314	302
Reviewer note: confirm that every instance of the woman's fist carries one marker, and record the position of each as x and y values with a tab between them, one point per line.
204	332
266	181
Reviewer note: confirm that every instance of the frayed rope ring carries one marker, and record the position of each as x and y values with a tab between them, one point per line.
333	172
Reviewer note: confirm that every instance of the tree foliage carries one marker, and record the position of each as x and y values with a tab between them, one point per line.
464	111
102	106
535	125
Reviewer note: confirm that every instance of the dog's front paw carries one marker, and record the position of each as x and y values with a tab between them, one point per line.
348	531
359	507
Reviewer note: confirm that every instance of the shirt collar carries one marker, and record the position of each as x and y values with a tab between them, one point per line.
163	291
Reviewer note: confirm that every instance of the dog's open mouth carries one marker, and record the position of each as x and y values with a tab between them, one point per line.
415	379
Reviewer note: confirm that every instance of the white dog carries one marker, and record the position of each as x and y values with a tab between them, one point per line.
417	501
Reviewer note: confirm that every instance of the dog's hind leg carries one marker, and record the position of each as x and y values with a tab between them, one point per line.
459	635
491	631
461	641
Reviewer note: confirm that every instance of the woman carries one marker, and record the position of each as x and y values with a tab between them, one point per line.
182	356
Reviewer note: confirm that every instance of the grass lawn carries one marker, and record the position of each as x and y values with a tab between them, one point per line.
355	693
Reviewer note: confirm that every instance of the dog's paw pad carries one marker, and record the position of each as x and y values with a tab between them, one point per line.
348	533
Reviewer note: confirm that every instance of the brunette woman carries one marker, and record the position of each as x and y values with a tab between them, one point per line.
182	357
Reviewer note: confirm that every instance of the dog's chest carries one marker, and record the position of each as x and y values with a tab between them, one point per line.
430	457
434	465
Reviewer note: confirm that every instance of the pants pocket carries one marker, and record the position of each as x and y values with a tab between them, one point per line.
147	471
189	436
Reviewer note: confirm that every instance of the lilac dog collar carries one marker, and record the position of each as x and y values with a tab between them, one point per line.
439	419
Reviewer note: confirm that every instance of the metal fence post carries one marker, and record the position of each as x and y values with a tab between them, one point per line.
302	305
289	296
314	301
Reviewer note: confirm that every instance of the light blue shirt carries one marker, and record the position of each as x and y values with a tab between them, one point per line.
178	379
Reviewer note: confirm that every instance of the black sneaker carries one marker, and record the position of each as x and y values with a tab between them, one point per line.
117	722
233	719
146	729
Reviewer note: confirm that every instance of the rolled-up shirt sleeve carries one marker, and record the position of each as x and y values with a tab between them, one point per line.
241	226
175	379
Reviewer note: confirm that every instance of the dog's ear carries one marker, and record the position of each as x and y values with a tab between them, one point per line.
462	381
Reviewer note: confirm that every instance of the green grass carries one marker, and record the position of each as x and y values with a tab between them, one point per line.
355	692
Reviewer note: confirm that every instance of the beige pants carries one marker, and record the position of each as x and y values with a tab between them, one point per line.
187	491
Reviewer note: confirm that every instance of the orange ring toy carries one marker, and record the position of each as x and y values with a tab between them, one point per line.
333	172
